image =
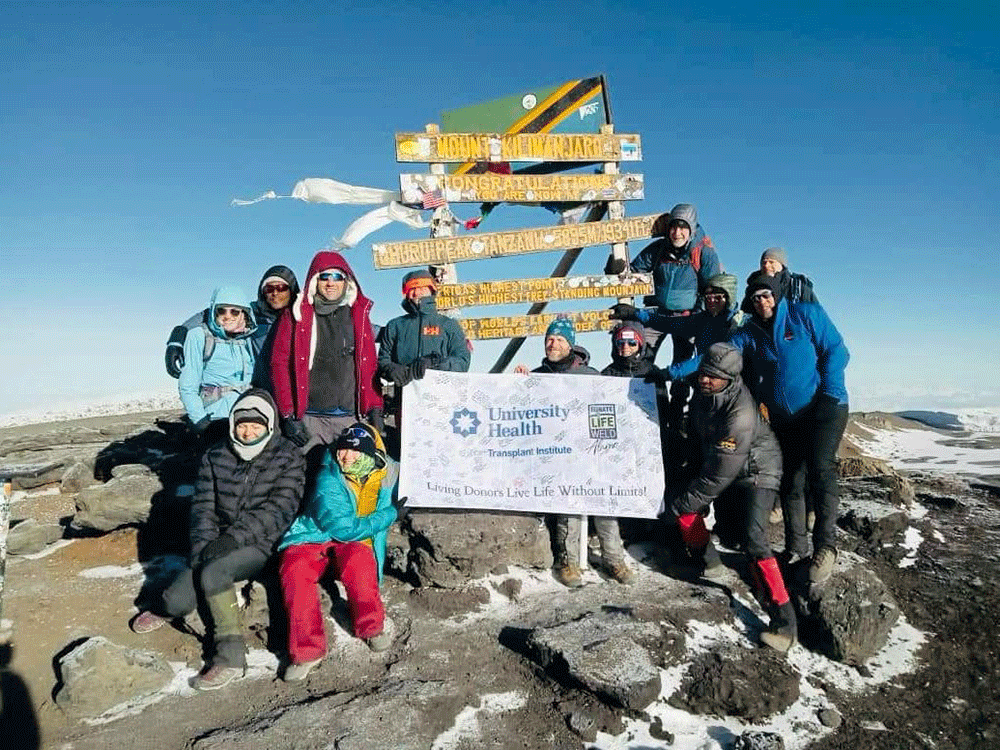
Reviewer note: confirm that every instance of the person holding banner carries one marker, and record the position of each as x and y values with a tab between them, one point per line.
563	356
323	361
741	465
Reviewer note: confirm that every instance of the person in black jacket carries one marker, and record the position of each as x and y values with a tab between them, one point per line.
740	456
248	491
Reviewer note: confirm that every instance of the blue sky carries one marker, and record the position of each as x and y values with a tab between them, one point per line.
862	139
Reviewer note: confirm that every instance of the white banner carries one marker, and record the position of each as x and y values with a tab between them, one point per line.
571	444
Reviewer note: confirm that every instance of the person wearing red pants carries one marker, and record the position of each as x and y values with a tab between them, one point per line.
740	465
344	523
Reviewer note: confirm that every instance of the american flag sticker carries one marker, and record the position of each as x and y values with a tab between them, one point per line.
432	198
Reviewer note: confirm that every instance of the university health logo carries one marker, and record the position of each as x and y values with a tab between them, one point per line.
465	422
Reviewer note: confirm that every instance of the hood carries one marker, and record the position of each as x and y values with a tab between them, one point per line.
722	360
727	282
230	296
323	260
260	400
282	272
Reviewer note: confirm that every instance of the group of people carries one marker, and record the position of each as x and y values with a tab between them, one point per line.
286	396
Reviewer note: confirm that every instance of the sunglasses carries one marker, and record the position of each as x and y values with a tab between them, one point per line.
331	276
763	294
622	343
276	288
232	312
715	298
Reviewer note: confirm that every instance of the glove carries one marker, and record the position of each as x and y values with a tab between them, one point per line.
399	504
175	351
615	266
295	430
395	373
217	548
418	368
377	420
199	427
658	376
622	311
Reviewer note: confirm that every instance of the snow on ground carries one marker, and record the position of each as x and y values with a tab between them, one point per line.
142	402
466	726
927	450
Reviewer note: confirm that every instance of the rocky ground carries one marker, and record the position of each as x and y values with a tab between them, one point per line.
900	649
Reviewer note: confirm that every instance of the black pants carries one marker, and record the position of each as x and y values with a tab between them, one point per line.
742	514
810	439
181	597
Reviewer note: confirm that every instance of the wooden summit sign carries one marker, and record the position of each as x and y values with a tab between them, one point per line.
525	188
515	291
522	147
438	250
515	326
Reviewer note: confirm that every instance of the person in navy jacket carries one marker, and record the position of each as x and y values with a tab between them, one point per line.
794	362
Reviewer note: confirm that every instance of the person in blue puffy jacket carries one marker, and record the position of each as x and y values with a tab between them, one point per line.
209	388
794	361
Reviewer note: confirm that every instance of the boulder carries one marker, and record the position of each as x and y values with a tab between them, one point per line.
123	500
751	685
849	617
29	536
757	740
98	675
605	653
448	549
80	474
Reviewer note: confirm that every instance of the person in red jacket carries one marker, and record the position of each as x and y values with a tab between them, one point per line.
323	362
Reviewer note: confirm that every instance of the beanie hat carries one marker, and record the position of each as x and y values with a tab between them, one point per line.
628	331
417	279
685	212
725	282
357	438
722	360
241	416
775	253
562	327
757	281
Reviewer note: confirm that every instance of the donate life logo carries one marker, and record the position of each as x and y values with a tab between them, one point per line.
465	422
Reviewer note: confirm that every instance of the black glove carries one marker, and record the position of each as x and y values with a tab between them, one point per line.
399	503
295	430
175	351
419	367
622	311
615	265
199	427
218	548
377	420
658	376
395	373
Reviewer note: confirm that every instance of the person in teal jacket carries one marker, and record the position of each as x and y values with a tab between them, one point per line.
209	388
345	523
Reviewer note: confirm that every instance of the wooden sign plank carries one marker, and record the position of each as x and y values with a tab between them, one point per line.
534	325
517	147
520	188
440	250
515	291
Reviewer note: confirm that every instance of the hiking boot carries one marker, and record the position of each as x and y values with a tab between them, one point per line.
569	575
822	565
215	677
379	642
782	633
296	672
147	622
620	571
712	568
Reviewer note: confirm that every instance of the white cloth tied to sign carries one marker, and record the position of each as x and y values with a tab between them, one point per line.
542	443
325	190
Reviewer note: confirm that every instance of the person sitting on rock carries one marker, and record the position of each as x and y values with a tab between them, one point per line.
248	491
345	522
740	457
564	356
